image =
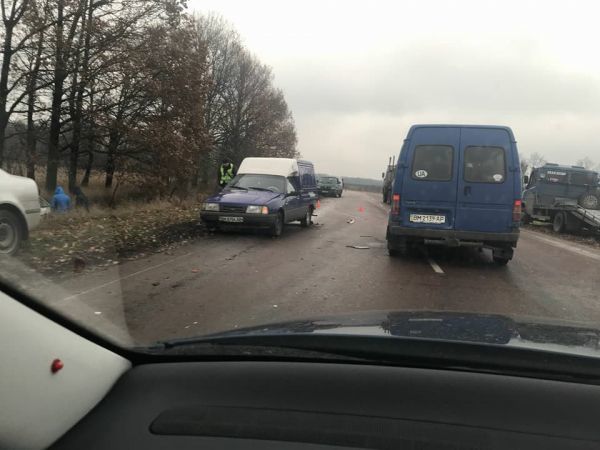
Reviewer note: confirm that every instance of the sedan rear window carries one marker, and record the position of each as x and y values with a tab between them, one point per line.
485	165
433	163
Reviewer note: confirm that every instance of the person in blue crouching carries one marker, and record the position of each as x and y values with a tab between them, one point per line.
61	202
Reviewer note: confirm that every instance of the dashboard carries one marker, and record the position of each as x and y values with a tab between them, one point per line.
293	405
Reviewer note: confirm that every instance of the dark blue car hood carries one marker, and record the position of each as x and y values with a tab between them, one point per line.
250	197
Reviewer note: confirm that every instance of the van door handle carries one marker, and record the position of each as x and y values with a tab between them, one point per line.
467	190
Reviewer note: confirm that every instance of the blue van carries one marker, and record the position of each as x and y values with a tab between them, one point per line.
457	185
266	193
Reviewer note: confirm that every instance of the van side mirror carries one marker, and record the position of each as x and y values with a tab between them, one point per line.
525	179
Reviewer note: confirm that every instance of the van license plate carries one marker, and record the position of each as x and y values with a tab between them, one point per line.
427	218
231	219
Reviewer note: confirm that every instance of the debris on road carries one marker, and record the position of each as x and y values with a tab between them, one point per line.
351	220
195	270
358	247
366	235
156	283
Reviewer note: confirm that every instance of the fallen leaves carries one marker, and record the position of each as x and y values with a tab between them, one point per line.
105	239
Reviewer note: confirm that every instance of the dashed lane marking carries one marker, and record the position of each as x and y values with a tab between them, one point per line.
435	266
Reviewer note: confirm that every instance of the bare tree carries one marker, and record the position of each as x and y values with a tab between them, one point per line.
12	13
586	162
537	160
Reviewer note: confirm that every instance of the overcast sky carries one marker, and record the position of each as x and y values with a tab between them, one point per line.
357	74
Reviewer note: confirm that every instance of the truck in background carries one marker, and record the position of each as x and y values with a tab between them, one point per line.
566	196
388	179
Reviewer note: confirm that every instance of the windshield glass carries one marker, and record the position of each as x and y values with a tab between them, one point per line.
410	170
328	180
260	182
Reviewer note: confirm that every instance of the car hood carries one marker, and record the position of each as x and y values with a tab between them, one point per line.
249	197
440	325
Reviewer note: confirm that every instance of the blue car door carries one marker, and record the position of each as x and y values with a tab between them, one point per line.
429	182
292	203
486	180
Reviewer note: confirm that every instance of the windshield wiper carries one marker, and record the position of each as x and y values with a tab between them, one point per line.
404	351
260	189
238	187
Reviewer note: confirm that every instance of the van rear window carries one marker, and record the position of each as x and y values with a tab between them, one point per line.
433	163
485	165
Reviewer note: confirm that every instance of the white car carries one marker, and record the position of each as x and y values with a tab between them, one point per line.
19	210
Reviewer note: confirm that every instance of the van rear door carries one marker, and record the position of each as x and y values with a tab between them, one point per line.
486	180
428	195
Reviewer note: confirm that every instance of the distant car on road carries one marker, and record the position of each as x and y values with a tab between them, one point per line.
457	185
388	181
265	193
19	210
330	185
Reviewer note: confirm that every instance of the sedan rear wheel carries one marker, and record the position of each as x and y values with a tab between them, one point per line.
11	233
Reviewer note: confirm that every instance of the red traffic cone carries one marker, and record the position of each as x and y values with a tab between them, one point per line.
318	204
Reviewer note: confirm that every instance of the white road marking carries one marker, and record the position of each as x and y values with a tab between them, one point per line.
436	268
564	245
134	274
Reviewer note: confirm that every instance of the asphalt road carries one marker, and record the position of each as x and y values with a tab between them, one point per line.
231	280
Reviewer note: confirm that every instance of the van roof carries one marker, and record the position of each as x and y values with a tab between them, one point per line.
493	127
553	166
269	166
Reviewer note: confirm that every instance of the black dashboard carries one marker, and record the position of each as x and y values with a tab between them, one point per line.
293	405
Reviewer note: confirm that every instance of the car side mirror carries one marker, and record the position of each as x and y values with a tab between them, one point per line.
525	179
382	174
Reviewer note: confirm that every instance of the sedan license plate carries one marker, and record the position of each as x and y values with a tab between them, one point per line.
427	218
231	219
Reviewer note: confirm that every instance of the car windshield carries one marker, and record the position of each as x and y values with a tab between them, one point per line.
409	170
329	180
272	183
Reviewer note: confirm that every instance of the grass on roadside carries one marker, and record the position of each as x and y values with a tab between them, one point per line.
79	240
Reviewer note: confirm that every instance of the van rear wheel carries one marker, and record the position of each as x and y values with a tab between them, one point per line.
501	261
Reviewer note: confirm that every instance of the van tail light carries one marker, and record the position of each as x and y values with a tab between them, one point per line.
516	214
396	204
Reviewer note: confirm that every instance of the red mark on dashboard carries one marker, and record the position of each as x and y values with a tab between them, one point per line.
56	365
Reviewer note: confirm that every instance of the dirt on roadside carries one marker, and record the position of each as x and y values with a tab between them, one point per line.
583	238
79	241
